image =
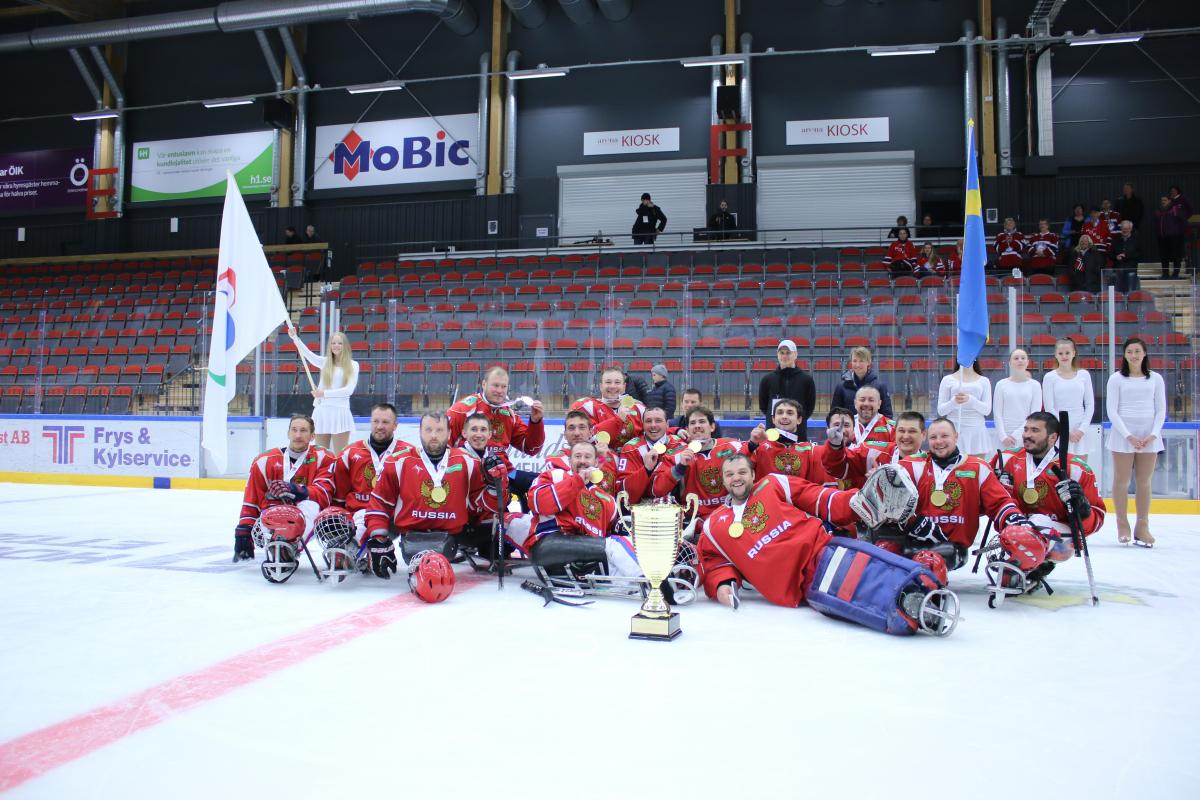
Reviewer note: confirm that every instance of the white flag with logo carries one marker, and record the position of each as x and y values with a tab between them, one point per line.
247	309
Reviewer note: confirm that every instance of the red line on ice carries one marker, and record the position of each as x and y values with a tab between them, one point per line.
36	753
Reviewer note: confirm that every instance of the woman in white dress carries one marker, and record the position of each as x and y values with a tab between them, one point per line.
1016	397
965	398
331	398
1069	389
1137	409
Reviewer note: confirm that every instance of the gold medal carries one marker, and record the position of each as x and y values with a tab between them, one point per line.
695	447
603	438
1030	495
660	448
736	529
597	476
773	435
627	401
938	497
438	494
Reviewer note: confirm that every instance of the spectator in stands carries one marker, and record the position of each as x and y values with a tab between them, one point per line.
1170	227
953	262
1137	407
901	255
1086	267
1111	216
1183	210
1010	247
856	377
691	398
790	382
1097	228
662	393
636	387
929	262
722	224
335	387
1072	229
1043	249
310	234
901	222
650	221
927	227
1130	206
1126	254
290	236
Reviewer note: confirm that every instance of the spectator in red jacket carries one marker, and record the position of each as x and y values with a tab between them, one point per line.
901	255
1010	246
1043	248
1097	229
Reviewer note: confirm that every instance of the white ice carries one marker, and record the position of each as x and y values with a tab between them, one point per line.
489	694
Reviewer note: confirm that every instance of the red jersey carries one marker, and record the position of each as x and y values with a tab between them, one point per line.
632	476
879	431
356	469
606	419
951	264
781	538
783	457
1098	230
1043	250
405	496
703	475
1010	248
900	253
575	506
971	489
508	429
606	463
1047	503
853	464
311	470
1113	220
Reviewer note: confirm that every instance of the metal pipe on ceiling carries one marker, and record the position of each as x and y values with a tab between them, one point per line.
747	110
615	10
481	147
529	13
118	201
509	170
1003	100
276	137
90	80
230	17
580	12
300	156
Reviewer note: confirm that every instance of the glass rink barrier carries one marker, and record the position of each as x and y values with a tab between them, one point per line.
424	330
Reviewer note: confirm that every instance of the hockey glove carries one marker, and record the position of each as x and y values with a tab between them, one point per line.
494	470
1071	494
281	491
243	544
381	557
835	436
922	531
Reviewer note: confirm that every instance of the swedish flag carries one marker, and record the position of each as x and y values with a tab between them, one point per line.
972	289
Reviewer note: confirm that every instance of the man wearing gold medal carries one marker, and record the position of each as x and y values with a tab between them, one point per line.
637	460
781	449
427	496
357	468
853	464
954	490
696	469
613	413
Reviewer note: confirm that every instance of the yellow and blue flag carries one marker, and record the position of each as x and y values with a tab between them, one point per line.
972	288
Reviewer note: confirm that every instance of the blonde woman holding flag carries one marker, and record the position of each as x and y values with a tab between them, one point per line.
331	395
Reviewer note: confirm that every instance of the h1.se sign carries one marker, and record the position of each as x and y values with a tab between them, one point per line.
835	131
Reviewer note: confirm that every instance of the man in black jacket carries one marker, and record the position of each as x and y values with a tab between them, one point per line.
722	224
650	221
1126	252
858	376
1130	206
790	382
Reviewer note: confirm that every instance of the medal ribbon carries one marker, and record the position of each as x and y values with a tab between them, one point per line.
377	459
861	431
289	468
435	475
1032	472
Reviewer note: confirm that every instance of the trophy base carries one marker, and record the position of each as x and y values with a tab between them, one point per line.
658	629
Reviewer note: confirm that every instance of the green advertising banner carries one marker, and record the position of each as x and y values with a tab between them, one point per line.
184	169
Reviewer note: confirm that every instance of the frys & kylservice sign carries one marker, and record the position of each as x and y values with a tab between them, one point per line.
642	140
396	151
837	131
167	449
36	180
183	169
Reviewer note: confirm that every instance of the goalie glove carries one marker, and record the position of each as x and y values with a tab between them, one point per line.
243	544
888	495
286	492
1071	494
381	557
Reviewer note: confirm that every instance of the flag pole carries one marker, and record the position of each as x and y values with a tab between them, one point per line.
303	361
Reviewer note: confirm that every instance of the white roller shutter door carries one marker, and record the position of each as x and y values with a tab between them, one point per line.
603	197
835	192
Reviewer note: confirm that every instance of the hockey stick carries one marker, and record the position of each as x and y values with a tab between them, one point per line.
1081	547
313	564
988	528
498	537
552	595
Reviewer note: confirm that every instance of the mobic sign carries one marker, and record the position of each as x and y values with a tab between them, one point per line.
418	150
835	131
639	140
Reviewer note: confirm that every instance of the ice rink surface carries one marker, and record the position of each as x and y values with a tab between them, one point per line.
140	663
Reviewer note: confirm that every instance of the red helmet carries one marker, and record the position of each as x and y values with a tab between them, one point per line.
282	522
1023	546
431	578
933	561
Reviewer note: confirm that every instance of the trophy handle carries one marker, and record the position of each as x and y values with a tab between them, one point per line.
623	507
691	504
